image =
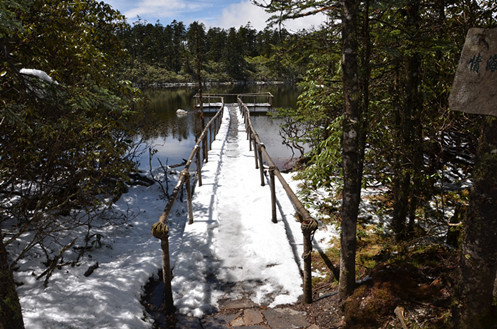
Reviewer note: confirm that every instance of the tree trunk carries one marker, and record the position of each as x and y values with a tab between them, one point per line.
407	182
365	77
415	102
351	153
10	309
478	259
400	190
400	182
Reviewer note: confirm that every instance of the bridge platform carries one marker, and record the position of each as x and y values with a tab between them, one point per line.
233	249
256	103
255	108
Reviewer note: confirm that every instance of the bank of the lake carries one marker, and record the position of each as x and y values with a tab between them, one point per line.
209	84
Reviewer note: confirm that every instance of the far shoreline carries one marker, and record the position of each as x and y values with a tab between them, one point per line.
161	85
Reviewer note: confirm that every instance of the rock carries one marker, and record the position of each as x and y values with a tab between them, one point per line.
252	316
285	318
236	304
238	322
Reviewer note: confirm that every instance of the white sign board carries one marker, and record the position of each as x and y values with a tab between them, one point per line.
475	85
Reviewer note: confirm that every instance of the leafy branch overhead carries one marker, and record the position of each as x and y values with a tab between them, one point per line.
65	116
284	10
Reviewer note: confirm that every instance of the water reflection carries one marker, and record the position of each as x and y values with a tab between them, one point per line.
158	114
173	136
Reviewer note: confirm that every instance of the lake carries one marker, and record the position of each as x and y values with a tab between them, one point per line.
172	137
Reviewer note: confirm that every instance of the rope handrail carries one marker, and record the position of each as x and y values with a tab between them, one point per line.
185	173
160	230
295	201
308	224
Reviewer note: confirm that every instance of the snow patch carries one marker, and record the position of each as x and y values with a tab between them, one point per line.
232	250
42	75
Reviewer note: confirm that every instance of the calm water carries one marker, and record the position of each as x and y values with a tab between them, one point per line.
172	138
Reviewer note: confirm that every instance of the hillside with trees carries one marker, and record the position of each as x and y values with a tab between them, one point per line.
168	54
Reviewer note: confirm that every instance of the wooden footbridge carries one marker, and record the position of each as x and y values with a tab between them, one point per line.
263	163
255	102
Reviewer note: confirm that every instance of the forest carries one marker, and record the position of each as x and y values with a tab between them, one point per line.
374	107
170	54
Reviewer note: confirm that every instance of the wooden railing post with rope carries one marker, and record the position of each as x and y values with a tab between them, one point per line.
160	230
308	224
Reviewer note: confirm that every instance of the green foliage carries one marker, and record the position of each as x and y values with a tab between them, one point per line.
10	26
64	138
408	53
410	130
325	158
163	54
317	119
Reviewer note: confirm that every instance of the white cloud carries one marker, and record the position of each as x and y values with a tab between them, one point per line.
213	13
164	8
240	14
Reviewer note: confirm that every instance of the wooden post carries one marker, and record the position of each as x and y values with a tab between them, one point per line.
220	119
308	226
204	148
273	194
160	230
215	124
256	154
261	164
307	269
218	122
210	137
246	117
189	197
167	276
199	167
249	137
215	127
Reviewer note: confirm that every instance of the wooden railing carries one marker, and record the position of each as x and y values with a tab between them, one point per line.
266	97
209	100
160	229
308	224
200	153
261	99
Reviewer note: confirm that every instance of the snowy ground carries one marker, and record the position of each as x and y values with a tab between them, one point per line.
232	250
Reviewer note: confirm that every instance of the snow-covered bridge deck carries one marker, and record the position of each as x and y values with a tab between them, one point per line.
233	249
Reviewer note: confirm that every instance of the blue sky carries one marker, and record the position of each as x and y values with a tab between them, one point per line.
213	13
